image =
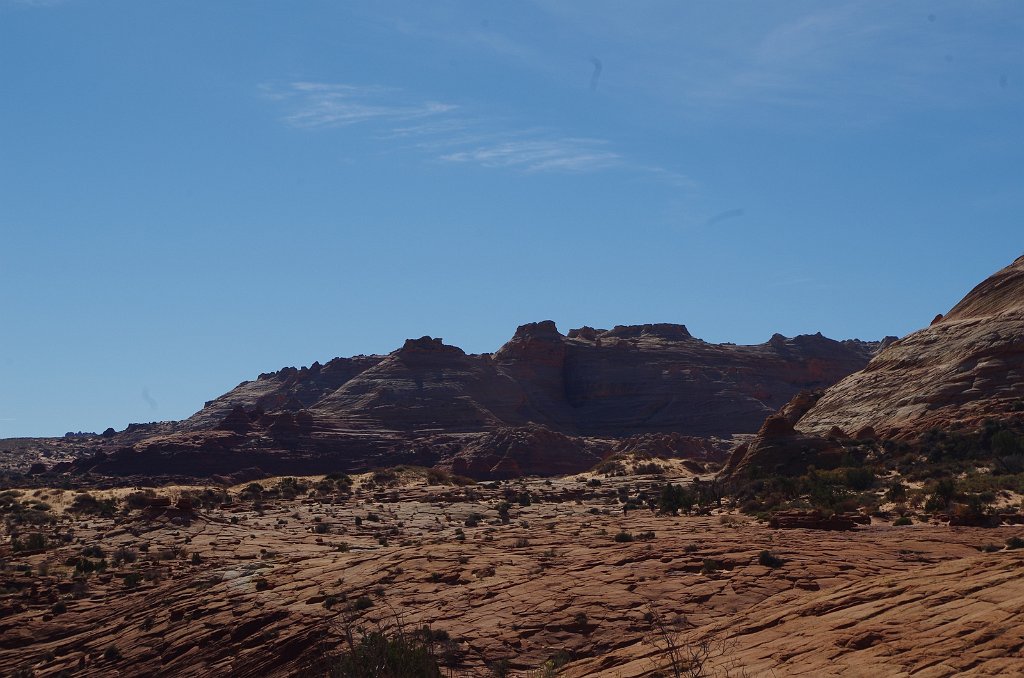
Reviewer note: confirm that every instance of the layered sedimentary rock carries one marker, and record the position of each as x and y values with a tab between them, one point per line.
965	367
429	402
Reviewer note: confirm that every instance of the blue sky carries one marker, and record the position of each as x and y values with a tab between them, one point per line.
193	192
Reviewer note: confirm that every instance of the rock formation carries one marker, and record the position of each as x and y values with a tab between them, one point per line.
965	368
432	403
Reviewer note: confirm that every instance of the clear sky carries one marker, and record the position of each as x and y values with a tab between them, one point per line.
196	191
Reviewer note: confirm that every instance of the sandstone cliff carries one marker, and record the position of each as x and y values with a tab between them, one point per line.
965	367
432	403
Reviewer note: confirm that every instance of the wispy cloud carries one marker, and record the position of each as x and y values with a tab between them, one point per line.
32	3
848	62
534	155
447	133
318	104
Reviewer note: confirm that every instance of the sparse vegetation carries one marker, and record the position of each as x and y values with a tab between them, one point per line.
769	559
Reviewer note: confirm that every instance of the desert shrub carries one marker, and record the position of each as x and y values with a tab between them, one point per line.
87	504
123	554
503	509
325	486
24	512
611	466
859	479
674	498
499	668
93	551
34	541
436	476
1014	543
711	565
139	500
649	469
902	520
207	497
378	655
521	542
1007	444
290	488
897	491
86	566
769	559
942	495
112	654
362	603
252	492
385	477
623	537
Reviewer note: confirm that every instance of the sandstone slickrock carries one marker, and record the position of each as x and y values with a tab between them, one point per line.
966	366
238	589
429	402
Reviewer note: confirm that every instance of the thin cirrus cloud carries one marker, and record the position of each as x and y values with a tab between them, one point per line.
318	104
446	133
535	155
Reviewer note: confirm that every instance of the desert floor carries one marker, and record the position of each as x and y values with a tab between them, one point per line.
263	591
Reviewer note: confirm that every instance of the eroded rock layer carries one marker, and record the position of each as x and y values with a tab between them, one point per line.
432	403
965	367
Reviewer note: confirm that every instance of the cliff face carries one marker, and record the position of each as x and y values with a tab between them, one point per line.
965	367
429	402
619	382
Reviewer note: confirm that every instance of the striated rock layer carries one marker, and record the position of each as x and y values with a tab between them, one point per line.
965	367
571	397
237	590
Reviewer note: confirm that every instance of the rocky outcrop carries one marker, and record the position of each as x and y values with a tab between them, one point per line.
671	446
965	367
591	384
779	449
528	450
816	520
